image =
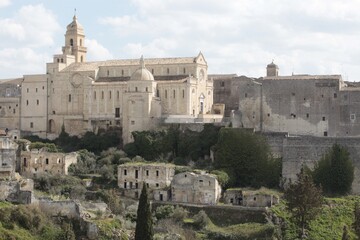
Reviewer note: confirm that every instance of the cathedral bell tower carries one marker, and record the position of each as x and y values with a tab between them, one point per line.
74	41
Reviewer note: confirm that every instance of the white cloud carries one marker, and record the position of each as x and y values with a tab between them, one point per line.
309	36
96	51
4	3
17	62
31	25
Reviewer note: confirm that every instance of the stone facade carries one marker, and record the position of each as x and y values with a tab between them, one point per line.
17	191
190	187
40	161
249	198
157	176
85	96
316	105
8	157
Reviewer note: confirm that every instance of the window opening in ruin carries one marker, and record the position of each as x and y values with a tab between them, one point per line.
146	89
352	116
81	59
25	162
254	198
231	200
168	71
185	175
117	112
147	185
47	161
125	172
322	95
31	125
58	160
147	172
136	185
71	42
62	60
102	94
36	89
37	101
174	93
69	97
108	72
136	89
117	94
125	185
325	134
293	94
157	173
323	118
35	169
109	94
131	185
268	114
165	93
80	42
122	72
245	94
136	173
157	93
157	185
335	95
27	90
27	102
222	84
307	115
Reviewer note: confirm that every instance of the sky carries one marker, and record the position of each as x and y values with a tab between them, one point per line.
235	36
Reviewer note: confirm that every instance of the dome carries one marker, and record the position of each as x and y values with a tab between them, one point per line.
272	65
142	74
74	25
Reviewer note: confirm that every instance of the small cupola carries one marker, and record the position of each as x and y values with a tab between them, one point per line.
272	70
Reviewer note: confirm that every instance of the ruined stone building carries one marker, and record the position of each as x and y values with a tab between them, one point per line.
37	161
8	149
157	176
250	198
189	187
135	94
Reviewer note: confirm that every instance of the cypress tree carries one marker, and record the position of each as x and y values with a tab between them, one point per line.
144	224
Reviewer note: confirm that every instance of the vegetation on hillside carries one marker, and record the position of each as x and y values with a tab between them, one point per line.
335	171
247	159
303	201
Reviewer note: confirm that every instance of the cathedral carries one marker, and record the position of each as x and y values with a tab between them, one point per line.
134	94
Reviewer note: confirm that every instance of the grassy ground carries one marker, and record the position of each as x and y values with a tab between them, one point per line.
335	214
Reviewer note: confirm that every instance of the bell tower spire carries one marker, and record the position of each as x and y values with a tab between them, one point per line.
74	40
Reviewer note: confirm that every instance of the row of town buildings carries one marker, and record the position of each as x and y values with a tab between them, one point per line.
184	187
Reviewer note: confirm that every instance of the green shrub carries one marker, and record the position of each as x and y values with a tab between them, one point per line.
164	211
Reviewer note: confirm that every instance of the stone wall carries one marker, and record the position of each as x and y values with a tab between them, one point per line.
297	151
65	208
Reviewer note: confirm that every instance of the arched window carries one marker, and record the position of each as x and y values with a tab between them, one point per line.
71	42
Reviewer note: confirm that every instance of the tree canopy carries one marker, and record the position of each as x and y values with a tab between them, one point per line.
304	200
246	158
335	171
144	223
